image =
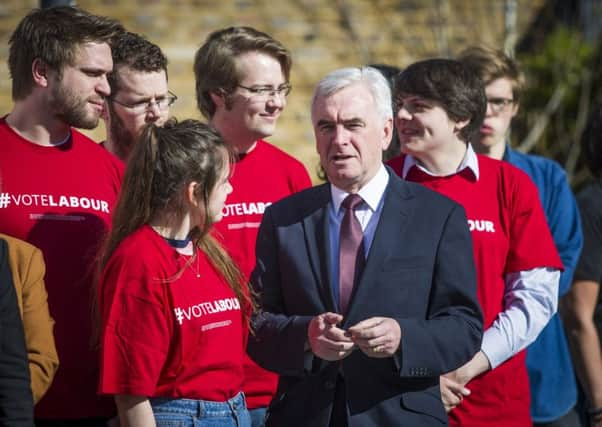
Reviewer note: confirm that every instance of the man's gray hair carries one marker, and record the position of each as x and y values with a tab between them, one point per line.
371	77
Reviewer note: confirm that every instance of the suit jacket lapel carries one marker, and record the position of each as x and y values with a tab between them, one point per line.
397	210
316	237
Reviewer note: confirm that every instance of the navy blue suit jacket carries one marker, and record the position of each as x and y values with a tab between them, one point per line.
419	271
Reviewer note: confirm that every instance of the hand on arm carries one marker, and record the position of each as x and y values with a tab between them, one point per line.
326	339
453	384
378	337
452	392
134	411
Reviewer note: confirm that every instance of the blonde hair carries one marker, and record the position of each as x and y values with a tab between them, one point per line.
491	64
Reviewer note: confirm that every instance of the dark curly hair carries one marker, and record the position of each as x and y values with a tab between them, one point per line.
452	84
134	51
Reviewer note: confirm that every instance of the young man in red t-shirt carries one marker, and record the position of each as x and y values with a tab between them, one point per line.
241	84
440	107
59	187
549	365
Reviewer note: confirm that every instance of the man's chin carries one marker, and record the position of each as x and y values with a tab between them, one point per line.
81	121
489	140
87	123
265	130
343	173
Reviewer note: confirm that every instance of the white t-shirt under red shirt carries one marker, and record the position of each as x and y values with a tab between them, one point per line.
60	199
171	325
261	177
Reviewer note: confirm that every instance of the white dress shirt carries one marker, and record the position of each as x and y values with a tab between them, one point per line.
367	213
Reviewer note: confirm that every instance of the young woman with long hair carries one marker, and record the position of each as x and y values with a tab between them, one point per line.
174	308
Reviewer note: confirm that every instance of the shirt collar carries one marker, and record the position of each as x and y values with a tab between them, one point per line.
371	193
470	161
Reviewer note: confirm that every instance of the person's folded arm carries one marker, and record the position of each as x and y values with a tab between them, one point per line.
530	300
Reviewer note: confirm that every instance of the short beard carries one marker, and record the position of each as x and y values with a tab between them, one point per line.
71	108
122	139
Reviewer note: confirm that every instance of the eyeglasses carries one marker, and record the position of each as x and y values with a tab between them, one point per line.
162	103
266	92
499	104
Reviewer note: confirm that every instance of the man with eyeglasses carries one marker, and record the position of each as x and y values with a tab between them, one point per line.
551	377
59	187
139	93
242	84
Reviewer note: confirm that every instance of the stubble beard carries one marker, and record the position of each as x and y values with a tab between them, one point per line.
72	109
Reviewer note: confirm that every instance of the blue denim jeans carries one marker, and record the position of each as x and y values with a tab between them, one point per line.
201	413
258	417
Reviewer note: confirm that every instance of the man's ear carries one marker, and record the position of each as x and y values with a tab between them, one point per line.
515	107
459	125
40	72
218	97
387	134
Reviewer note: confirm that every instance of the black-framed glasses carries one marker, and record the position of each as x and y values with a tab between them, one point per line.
266	92
163	103
499	104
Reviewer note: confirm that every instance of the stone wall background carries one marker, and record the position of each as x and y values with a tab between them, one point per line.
322	34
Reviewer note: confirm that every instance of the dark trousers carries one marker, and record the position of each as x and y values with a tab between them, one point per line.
338	417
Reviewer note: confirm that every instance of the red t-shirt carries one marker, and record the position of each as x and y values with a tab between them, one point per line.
60	200
169	329
510	234
262	177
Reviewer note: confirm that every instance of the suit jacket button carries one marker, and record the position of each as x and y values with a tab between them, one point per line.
330	384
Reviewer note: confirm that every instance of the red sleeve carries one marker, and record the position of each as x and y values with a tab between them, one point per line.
531	244
136	328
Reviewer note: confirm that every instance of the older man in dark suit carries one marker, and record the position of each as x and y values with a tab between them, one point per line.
366	283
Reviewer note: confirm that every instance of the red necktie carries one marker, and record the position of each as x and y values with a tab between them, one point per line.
351	250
